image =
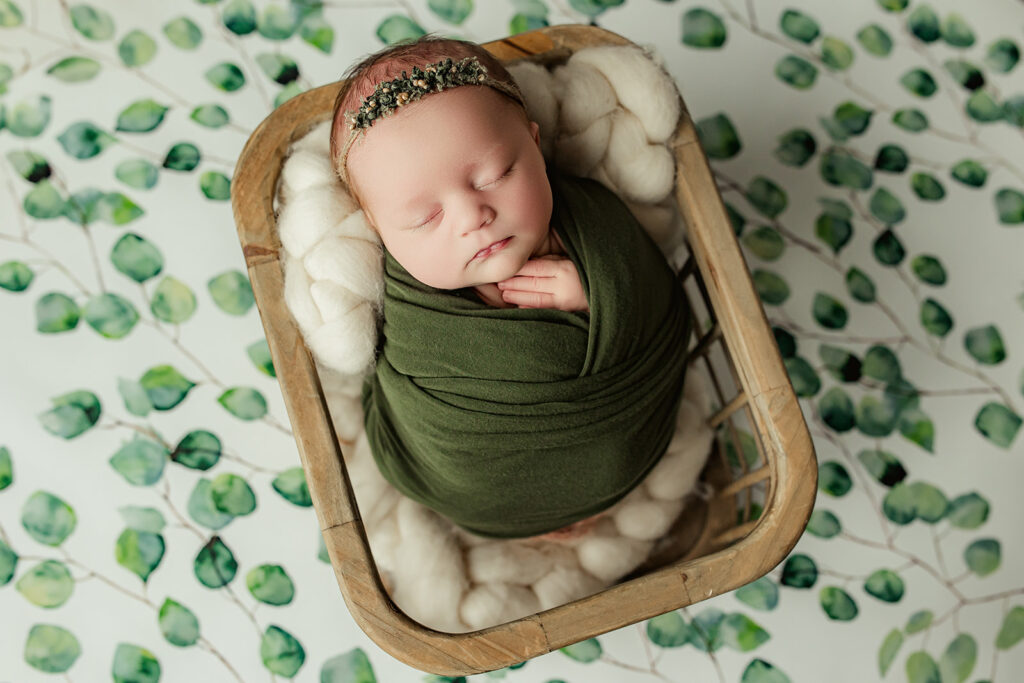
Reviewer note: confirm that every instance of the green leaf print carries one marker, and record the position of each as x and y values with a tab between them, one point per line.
210	116
1002	55
911	120
585	651
875	40
201	507
75	69
143	518
281	653
231	494
796	72
134	664
47	584
270	584
824	524
142	116
983	556
998	424
239	16
799	26
137	173
178	624
111	315
799	571
703	29
215	185
718	137
47	518
291	484
83	140
183	33
139	552
165	386
451	11
183	156
837	603
350	667
919	621
10	15
277	22
1012	630
51	649
396	28
883	466
958	660
317	32
199	450
136	49
173	301
836	54
1010	206
225	76
72	414
885	585
140	461
923	23
669	630
968	511
919	82
890	647
93	23
28	119
892	159
215	564
796	147
760	671
15	276
956	32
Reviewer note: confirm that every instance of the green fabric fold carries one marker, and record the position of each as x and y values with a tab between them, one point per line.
516	422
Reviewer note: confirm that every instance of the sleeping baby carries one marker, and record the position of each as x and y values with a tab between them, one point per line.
533	348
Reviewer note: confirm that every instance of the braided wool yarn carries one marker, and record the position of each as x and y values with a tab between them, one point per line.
607	113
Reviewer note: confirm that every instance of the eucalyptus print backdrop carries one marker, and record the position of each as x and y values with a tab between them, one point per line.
154	521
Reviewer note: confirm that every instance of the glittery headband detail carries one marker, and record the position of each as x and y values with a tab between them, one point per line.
391	95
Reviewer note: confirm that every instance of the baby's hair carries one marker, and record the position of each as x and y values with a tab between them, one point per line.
389	63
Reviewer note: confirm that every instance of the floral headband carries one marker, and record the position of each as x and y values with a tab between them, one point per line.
389	96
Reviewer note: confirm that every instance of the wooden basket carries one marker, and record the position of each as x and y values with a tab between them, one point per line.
764	473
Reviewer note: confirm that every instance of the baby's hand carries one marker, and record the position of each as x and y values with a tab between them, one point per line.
546	282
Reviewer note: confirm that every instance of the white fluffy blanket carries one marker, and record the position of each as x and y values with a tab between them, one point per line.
606	114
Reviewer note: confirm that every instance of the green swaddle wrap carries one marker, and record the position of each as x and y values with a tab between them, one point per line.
515	422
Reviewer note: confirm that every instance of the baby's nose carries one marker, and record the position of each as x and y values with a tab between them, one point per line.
480	218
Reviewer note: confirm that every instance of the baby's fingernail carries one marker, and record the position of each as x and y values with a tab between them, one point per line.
501	285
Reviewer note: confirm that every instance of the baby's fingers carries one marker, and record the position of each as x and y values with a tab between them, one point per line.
528	299
528	283
541	267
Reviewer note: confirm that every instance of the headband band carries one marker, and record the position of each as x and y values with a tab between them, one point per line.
391	95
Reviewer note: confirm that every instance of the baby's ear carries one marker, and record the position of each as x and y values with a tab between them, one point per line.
535	132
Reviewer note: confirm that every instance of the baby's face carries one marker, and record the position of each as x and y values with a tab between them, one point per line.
456	187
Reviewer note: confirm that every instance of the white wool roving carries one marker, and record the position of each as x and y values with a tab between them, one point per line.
311	214
641	85
498	562
538	90
579	154
598	115
584	95
495	603
643	172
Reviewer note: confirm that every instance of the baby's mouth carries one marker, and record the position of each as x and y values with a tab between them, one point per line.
491	249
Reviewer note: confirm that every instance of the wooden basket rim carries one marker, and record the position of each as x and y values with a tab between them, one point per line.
746	332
